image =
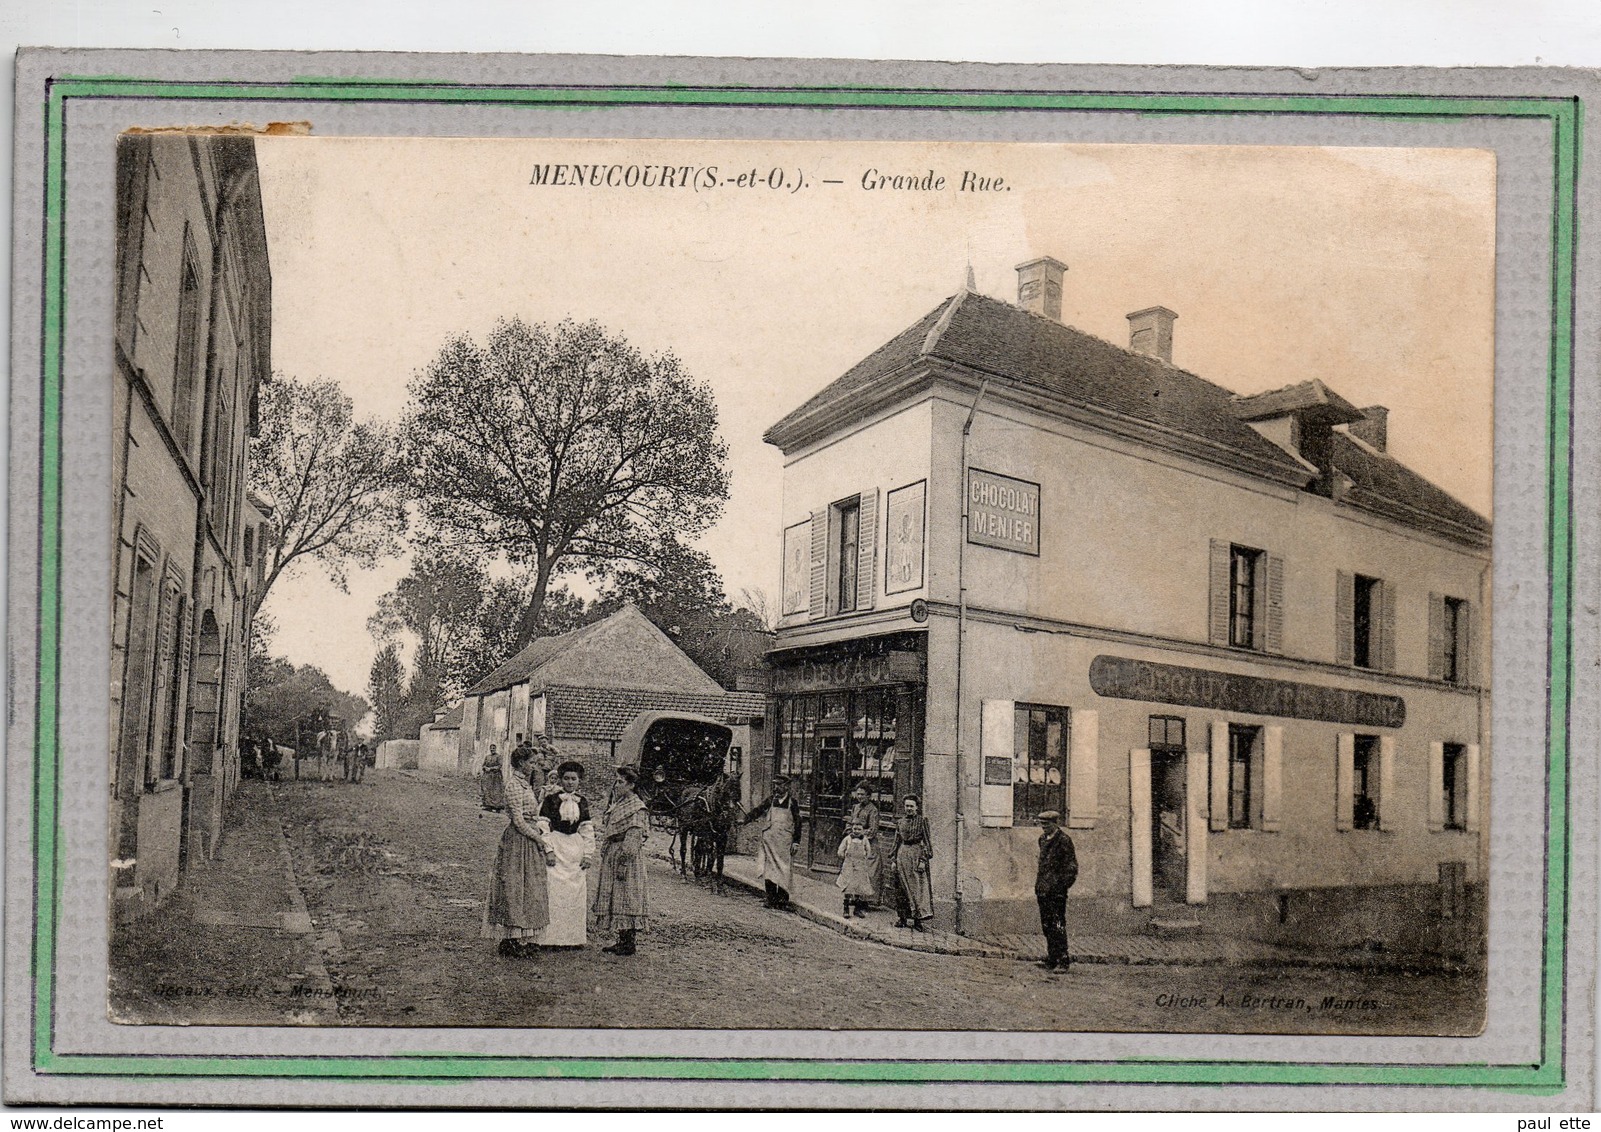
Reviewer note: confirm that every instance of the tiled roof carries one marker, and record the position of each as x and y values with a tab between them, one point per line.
621	651
1115	385
1031	351
1387	487
605	713
451	719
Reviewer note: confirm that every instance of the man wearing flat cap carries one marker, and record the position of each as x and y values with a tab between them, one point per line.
1058	870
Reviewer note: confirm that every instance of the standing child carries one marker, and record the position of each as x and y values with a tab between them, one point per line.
857	864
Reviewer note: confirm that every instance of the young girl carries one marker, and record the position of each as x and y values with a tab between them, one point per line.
857	865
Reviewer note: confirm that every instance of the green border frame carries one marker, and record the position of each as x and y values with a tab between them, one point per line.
1546	1076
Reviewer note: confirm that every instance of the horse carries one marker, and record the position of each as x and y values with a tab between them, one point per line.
705	820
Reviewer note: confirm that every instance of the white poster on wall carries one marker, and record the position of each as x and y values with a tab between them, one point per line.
903	542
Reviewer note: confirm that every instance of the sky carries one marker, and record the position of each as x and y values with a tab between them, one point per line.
1370	269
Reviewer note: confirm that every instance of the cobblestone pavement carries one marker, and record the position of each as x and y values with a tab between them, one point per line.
394	872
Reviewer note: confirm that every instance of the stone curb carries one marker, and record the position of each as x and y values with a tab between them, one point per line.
946	943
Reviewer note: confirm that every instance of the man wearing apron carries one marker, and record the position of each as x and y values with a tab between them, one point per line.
780	838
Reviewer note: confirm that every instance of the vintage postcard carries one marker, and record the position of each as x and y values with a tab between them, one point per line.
568	582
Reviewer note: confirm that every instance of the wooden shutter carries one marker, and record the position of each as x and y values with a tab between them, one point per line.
1437	787
1470	759
1274	641
1219	809
996	723
1195	839
1344	779
1218	619
1139	827
1467	645
1272	778
1083	771
1389	804
818	607
1344	618
866	548
1436	637
1387	626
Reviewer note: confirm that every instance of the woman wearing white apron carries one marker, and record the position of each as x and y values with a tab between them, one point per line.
780	838
565	824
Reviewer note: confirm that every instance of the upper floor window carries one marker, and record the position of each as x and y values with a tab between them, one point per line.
1364	627
187	352
1450	639
847	557
1243	567
1247	598
1365	621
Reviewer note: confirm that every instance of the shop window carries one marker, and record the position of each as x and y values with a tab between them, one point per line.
1039	762
1454	786
1244	772
1365	798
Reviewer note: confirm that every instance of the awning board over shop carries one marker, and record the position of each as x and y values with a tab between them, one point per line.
1125	678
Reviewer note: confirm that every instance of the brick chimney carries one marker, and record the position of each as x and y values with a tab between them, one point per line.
1039	286
1374	427
1150	332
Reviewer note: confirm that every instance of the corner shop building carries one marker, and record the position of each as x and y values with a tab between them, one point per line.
1230	637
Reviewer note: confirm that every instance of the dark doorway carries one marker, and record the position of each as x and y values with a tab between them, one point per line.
1169	865
1169	836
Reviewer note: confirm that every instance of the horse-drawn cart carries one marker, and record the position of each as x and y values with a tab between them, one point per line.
690	790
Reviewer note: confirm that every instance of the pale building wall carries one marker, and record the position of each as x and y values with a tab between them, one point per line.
884	455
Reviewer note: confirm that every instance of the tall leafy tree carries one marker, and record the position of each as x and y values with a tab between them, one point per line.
386	691
288	695
559	448
438	603
336	485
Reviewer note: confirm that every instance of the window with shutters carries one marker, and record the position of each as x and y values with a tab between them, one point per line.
188	353
1244	568
848	516
1039	762
1366	603
1244	771
1365	800
1453	625
1454	786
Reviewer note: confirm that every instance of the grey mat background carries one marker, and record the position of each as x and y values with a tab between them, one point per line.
1516	827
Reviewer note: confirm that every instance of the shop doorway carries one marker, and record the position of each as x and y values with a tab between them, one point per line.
829	800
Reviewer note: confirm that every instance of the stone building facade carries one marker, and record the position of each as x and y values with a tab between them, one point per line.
193	340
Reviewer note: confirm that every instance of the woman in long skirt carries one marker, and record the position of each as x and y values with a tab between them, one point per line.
564	821
621	904
911	854
518	902
864	812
